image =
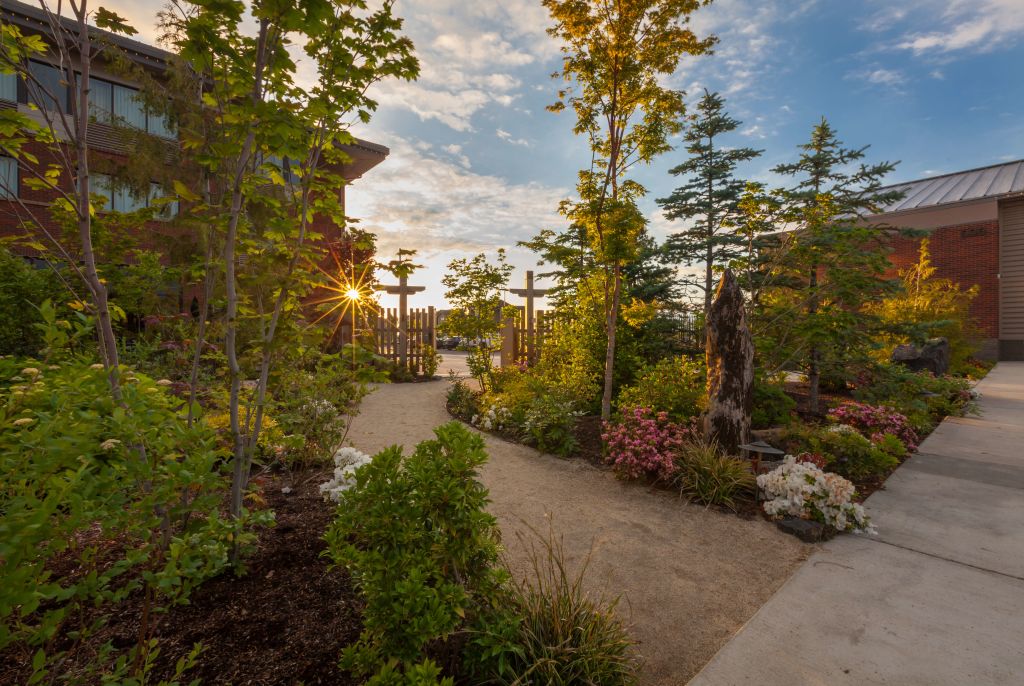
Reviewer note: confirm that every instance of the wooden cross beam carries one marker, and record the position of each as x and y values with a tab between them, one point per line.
529	293
403	290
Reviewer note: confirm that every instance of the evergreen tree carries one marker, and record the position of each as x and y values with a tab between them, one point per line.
708	199
833	261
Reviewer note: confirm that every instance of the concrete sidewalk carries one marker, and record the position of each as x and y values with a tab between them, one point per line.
936	598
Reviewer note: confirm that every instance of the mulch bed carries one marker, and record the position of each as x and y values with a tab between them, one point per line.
284	622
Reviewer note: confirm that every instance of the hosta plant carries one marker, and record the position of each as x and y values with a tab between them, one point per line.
801	489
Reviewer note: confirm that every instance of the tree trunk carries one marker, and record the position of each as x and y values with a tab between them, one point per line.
609	356
814	368
730	363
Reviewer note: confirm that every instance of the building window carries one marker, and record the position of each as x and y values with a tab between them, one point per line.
8	178
9	87
112	102
47	89
122	199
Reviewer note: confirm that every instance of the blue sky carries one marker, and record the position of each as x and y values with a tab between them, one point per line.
478	164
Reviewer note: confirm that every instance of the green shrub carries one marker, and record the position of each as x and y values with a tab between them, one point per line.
675	385
99	485
423	553
22	289
846	452
707	476
431	361
461	400
923	398
564	636
772	406
549	424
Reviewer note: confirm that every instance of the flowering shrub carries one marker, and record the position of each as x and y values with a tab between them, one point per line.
548	424
801	489
845	451
875	421
817	459
674	385
495	418
642	443
346	462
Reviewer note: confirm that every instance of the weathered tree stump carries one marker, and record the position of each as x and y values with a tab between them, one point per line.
730	362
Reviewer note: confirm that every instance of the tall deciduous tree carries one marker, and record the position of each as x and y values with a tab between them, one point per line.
709	196
833	260
276	150
616	54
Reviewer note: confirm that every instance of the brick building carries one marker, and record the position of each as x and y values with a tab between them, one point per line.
113	98
975	222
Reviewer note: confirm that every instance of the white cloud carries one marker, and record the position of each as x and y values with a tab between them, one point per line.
879	76
456	152
506	136
416	200
966	25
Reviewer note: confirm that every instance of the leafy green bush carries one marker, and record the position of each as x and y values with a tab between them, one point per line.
923	398
846	452
423	553
564	636
461	400
431	361
675	385
549	424
124	493
22	289
772	406
709	477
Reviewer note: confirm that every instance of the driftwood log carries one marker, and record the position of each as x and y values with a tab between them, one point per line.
730	362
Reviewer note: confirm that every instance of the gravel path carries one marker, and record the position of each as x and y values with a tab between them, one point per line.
688	577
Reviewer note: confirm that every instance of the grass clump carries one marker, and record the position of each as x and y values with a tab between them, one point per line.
706	475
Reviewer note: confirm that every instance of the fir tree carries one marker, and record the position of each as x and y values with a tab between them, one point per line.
709	196
833	260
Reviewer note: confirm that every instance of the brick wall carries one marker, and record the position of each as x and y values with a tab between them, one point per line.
967	254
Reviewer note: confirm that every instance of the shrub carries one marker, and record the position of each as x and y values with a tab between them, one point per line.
675	385
709	477
848	453
346	462
549	425
431	360
22	289
923	398
643	443
563	635
874	422
461	400
124	493
800	489
772	405
422	551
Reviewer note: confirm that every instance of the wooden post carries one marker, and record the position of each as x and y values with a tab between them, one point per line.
529	293
508	342
402	290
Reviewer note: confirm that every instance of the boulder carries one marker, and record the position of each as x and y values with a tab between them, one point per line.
805	529
933	357
730	362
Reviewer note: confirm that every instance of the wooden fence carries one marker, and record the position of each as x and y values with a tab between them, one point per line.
404	349
520	345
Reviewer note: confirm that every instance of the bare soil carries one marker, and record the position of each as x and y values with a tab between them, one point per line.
688	577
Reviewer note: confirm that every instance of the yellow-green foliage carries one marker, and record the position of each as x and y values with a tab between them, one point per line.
929	306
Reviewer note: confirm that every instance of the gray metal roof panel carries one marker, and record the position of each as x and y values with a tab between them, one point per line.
972	184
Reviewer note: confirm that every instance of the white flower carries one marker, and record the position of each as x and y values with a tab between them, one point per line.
23	421
346	462
164	382
96	366
801	489
109	444
30	371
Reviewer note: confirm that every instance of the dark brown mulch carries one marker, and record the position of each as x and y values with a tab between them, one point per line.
589	445
284	622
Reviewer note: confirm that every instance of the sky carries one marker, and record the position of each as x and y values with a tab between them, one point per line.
477	163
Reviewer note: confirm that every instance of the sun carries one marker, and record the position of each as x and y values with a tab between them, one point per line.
345	293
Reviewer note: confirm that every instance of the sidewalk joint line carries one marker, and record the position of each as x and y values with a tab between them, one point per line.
947	559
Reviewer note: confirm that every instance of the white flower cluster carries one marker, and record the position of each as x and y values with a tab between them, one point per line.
494	419
801	489
842	429
346	462
319	407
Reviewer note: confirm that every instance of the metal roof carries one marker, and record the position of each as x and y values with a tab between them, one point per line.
994	181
